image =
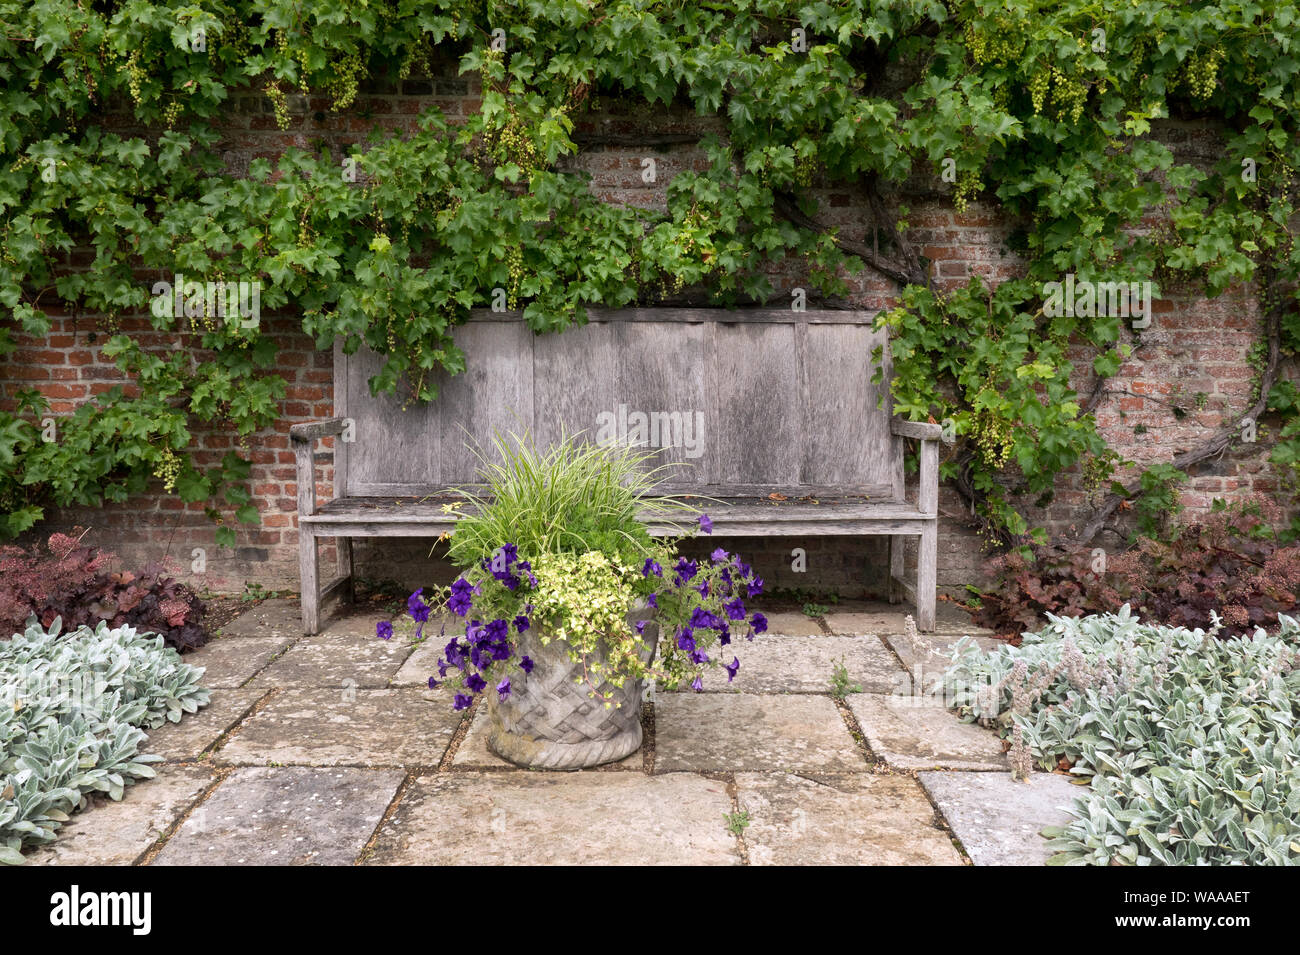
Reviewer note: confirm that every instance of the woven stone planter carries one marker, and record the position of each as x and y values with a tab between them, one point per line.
550	722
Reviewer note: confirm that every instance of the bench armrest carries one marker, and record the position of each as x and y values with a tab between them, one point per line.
317	429
916	429
303	437
927	492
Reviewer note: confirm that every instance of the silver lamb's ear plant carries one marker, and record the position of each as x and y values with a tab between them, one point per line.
1190	742
72	720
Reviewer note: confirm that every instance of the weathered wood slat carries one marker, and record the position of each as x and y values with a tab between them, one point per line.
311	431
758	426
778	316
916	429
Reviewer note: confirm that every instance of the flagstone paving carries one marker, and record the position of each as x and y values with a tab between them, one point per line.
583	818
916	732
230	662
840	820
292	816
331	749
772	663
197	732
333	727
998	818
338	660
120	833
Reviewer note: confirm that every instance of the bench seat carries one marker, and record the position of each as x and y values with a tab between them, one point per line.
427	516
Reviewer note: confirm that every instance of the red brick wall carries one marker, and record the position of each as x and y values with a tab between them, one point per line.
1193	346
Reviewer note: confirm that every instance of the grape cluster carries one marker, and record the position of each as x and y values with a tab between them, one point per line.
1069	94
1003	46
1040	84
134	75
280	104
167	468
803	170
172	113
967	186
513	144
1200	73
515	260
993	438
343	85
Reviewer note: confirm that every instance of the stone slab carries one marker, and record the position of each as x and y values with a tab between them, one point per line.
794	624
951	621
781	664
916	733
289	816
277	617
336	660
473	752
997	818
583	818
420	665
931	655
119	833
859	819
229	663
195	732
324	727
722	732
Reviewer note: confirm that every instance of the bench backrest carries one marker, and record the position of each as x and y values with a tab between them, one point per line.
755	401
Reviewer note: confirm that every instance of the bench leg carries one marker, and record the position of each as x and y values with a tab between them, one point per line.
309	573
349	592
896	551
927	560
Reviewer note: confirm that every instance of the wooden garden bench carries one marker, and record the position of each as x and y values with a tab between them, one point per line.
792	441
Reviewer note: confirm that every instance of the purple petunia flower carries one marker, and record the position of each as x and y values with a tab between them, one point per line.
460	600
703	588
653	601
455	654
651	567
735	609
416	607
526	665
699	656
685	640
433	684
731	668
724	635
685	571
521	623
697	685
384	629
503	687
719	555
476	683
527	568
706	525
703	619
756	586
462	702
759	622
640	627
